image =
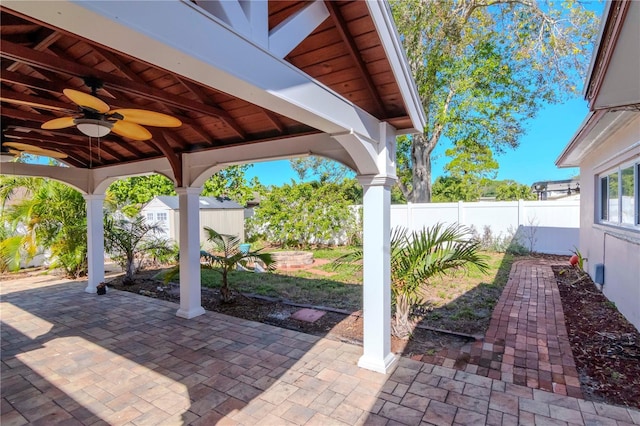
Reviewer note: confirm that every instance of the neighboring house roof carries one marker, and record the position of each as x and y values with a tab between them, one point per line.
612	87
553	189
206	203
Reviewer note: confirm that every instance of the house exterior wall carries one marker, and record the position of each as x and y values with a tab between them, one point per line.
616	247
541	226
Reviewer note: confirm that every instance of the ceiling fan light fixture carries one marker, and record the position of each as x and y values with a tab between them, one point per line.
93	128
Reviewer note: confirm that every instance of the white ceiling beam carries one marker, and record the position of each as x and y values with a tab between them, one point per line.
181	37
199	166
257	12
80	179
293	30
230	12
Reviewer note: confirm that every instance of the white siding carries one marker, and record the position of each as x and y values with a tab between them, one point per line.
224	221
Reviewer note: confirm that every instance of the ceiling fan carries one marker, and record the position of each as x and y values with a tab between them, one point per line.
18	148
97	119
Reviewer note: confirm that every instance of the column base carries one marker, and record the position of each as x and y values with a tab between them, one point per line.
91	289
378	365
191	313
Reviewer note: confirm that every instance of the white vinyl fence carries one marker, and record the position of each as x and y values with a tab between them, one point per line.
540	226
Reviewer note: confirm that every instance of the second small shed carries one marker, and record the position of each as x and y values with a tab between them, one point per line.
221	214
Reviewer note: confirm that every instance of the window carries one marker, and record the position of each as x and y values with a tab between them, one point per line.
162	217
149	217
620	195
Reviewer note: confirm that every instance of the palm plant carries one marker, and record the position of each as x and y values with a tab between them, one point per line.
227	256
129	238
417	257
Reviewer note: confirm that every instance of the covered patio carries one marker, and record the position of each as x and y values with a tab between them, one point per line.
249	81
69	357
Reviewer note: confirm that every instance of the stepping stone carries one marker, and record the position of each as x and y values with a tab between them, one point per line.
308	315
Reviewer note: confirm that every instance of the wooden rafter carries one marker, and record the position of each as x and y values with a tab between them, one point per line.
341	26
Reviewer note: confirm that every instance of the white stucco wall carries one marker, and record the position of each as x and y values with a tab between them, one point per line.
615	247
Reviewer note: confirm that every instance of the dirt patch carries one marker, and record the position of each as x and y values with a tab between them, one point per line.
335	324
605	346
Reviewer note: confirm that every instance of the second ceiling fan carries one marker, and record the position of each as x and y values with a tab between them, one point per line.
98	119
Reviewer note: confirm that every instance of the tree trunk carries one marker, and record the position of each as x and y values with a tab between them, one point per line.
130	271
421	156
402	327
225	292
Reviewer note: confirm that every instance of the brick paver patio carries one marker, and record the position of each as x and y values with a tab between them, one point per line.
73	358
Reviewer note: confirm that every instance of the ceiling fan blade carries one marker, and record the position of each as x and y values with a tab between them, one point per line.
148	118
86	100
19	148
22	146
47	153
131	130
58	123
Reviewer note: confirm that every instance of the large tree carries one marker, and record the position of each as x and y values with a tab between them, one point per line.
483	67
321	168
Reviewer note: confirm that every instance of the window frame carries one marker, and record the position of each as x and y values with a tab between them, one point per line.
604	207
162	217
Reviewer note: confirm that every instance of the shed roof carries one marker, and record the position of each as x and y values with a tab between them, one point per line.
206	203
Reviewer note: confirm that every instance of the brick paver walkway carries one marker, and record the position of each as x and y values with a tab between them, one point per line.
73	358
526	343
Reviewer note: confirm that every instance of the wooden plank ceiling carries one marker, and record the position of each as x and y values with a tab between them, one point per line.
39	61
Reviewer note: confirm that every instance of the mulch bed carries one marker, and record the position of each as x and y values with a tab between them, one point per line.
606	347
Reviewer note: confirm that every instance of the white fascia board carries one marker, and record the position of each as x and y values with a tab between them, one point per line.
183	38
596	128
596	49
384	23
293	30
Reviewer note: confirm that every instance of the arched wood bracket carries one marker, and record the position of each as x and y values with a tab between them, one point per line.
175	159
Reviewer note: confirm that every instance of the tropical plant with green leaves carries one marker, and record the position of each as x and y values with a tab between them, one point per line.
128	240
302	214
48	215
227	255
419	256
510	190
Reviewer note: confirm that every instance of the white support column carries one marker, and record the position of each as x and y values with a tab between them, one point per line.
376	300
190	299
95	241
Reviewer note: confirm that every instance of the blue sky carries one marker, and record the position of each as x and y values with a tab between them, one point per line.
532	161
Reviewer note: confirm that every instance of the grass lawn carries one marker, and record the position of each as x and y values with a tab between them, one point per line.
462	302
